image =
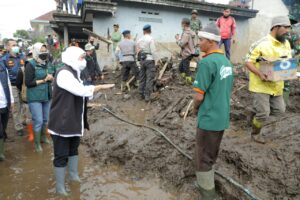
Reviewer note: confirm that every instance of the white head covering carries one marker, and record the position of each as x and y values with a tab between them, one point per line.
281	21
36	51
71	55
211	32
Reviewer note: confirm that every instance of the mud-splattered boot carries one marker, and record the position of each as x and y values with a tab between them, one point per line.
2	157
73	169
206	185
123	86
189	80
183	75
37	142
44	137
60	173
137	84
256	132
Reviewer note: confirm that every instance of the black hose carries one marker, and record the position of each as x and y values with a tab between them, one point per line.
245	190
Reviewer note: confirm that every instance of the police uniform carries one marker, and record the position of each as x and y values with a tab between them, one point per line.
13	64
126	51
146	46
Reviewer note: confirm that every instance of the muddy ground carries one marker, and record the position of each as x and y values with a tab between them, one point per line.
26	175
269	171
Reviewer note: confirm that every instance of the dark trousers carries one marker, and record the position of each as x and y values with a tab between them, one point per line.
207	149
147	75
65	2
4	115
184	66
227	46
79	8
63	148
128	66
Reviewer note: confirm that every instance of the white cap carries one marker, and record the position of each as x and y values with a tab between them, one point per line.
89	47
281	21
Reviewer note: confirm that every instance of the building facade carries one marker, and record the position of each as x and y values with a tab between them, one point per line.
163	15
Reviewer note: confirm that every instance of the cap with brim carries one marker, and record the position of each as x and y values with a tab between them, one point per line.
194	12
126	32
89	47
281	21
147	27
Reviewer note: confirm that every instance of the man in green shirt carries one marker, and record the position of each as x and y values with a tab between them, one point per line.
213	86
116	37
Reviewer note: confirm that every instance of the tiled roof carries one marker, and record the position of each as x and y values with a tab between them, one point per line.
45	17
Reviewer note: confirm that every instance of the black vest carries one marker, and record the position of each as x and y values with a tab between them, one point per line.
66	111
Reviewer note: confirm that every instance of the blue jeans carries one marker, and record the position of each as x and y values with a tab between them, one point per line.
40	114
227	45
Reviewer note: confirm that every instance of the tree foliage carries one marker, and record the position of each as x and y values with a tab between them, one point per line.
23	34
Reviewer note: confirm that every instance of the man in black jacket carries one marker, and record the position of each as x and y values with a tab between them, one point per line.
92	71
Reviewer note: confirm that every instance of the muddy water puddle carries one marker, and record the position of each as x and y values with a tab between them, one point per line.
29	175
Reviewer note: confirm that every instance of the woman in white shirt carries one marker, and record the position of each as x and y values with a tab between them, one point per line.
66	122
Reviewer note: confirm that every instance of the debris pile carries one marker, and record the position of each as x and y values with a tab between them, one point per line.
269	171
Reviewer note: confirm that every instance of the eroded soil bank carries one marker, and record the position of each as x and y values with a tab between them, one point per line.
269	171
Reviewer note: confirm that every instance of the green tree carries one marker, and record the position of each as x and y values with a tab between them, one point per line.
38	38
23	34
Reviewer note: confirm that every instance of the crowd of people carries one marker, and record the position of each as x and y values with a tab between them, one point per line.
57	97
70	6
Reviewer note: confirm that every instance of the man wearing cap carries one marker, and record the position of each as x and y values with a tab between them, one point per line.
212	86
147	51
196	24
267	95
92	70
188	47
127	51
227	26
96	47
116	37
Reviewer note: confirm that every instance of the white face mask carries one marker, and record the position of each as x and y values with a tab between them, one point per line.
81	64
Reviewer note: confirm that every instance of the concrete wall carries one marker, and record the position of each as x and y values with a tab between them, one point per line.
166	23
260	26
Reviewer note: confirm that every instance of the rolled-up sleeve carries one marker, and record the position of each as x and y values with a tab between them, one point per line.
253	54
67	81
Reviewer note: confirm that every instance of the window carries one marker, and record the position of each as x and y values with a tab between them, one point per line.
149	12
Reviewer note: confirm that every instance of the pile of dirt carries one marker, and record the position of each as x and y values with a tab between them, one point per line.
270	171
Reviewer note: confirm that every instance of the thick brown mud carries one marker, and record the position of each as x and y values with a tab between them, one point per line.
269	171
26	174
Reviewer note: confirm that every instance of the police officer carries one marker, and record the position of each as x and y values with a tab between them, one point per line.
13	60
126	55
147	56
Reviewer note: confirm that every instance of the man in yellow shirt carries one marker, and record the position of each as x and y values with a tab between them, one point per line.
268	96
